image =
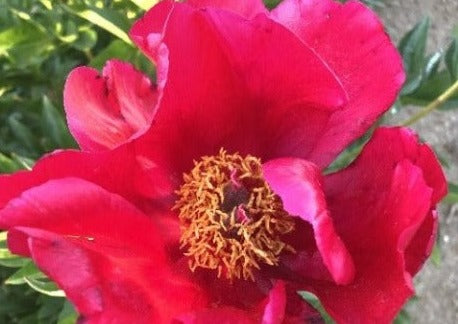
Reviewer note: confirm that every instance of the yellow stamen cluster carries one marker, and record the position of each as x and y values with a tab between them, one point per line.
231	221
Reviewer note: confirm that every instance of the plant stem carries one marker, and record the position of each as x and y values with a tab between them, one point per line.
439	101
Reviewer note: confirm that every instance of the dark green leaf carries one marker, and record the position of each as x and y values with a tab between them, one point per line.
54	125
451	59
430	90
22	133
452	196
271	3
116	49
86	39
122	51
402	318
68	314
7	165
412	48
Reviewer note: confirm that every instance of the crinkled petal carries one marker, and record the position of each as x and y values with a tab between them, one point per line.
299	185
123	171
147	32
270	310
106	111
379	205
351	40
103	252
420	247
246	85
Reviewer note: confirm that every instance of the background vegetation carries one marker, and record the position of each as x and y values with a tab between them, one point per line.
42	40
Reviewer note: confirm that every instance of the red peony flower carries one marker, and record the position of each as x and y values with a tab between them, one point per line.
204	199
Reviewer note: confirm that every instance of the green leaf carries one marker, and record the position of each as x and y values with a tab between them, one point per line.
120	50
7	165
5	254
68	314
13	262
315	303
54	125
87	38
412	48
29	270
22	133
145	4
451	59
432	65
23	162
7	259
430	90
18	42
436	255
402	318
110	20
452	196
116	49
271	3
45	287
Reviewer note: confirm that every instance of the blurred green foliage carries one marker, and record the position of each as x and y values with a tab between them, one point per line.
429	74
42	40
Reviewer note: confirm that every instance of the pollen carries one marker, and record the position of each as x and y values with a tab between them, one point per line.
231	221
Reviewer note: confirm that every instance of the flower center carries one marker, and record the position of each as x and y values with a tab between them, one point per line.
231	221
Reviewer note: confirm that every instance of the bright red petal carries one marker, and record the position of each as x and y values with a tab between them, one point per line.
147	32
351	40
106	111
245	85
121	171
380	206
220	315
420	247
245	8
274	311
299	185
106	255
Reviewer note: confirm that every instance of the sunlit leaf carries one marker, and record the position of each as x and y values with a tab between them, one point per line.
105	18
145	4
24	162
29	270
45	287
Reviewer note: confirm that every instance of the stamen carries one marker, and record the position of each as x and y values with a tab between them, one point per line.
231	221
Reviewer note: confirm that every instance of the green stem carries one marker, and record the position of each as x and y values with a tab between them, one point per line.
439	101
